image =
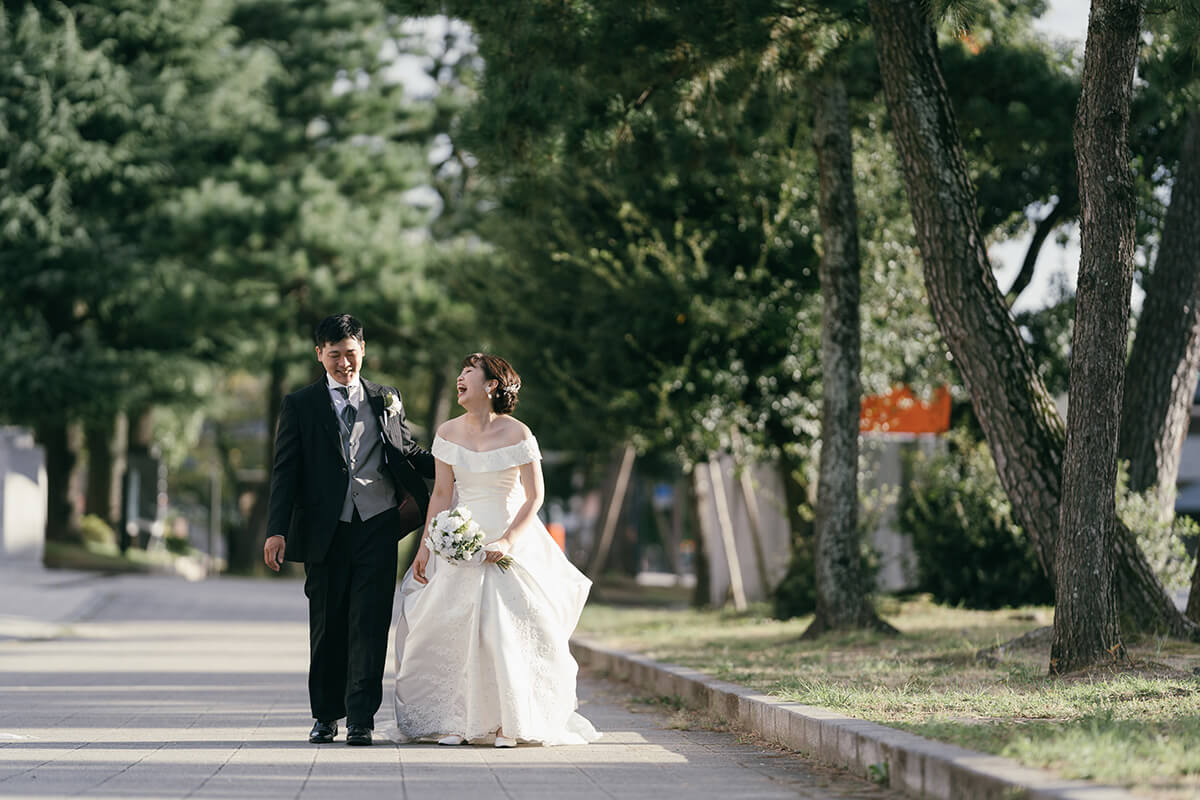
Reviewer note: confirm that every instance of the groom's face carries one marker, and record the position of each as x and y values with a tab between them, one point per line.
342	360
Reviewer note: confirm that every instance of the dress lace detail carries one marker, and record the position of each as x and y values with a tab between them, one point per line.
486	460
479	649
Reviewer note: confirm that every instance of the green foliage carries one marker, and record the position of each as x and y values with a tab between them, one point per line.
1161	540
312	211
188	188
982	18
969	550
672	304
900	340
95	531
103	109
655	224
1167	91
1047	332
177	545
1015	103
796	594
187	185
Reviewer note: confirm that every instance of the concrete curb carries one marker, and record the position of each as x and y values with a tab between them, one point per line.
914	765
41	603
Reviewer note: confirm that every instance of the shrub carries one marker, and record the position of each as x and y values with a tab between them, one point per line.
1162	541
969	550
796	594
177	545
95	531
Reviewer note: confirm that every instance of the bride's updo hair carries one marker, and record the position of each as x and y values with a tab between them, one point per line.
495	368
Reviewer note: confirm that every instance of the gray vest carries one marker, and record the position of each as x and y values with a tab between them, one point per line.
370	490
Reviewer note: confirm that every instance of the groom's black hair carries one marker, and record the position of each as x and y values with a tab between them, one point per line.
336	328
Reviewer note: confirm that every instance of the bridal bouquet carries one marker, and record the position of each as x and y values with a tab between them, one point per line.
456	537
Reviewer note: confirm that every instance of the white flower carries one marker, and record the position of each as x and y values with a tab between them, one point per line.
455	537
391	403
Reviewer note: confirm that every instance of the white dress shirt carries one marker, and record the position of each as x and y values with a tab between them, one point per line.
339	402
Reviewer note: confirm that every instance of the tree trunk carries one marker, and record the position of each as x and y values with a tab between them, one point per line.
746	488
1022	427
245	554
257	524
1017	414
61	524
716	484
843	597
440	396
1165	362
700	595
625	557
799	508
1040	233
1087	628
234	558
1193	603
676	525
749	497
611	514
138	442
99	439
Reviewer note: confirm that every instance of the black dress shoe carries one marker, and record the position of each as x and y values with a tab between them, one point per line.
323	732
358	735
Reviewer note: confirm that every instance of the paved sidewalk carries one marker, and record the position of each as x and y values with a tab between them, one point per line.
172	689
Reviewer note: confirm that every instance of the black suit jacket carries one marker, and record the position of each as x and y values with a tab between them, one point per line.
310	476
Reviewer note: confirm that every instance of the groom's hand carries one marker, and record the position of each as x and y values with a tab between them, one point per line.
273	551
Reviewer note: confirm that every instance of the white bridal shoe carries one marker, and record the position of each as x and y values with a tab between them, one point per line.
452	739
504	741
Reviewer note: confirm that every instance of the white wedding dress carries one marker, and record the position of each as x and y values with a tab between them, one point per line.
479	648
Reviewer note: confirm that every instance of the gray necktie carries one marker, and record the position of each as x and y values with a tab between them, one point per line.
349	413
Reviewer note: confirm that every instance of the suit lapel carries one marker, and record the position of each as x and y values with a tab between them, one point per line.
327	418
374	395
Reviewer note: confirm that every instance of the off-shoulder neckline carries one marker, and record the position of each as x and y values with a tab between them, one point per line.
482	452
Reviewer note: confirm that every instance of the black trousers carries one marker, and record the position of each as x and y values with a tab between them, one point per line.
349	610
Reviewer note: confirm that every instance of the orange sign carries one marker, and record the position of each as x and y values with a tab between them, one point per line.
901	411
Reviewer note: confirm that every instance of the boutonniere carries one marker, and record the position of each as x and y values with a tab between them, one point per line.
391	404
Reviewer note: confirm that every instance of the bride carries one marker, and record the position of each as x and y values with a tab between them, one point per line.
481	652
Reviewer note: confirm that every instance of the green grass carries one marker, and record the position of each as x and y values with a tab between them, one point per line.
92	556
1138	727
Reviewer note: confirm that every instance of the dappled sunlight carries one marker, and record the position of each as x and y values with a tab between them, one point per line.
165	706
249	648
931	681
262	749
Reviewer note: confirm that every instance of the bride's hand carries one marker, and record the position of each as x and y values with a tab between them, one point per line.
419	564
497	550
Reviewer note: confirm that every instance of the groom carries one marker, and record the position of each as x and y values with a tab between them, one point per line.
346	487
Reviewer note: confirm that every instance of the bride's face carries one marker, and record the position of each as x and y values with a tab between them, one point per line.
473	387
